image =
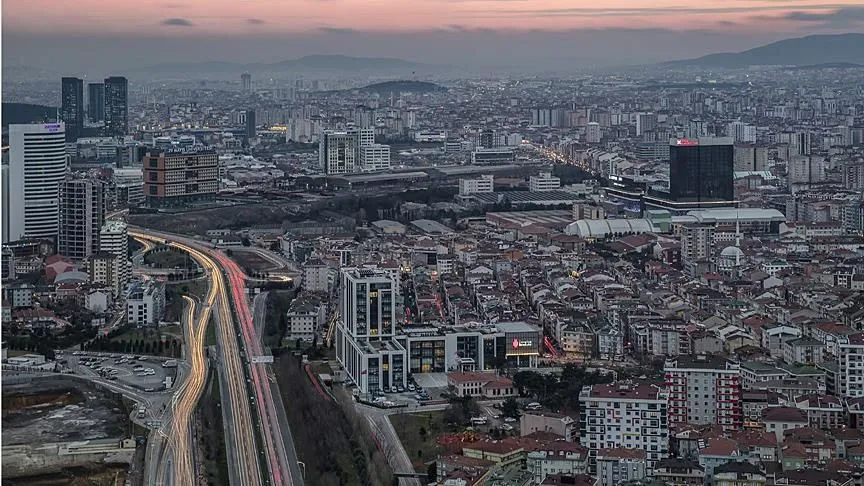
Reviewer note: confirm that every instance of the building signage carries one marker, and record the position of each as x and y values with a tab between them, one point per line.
685	142
524	343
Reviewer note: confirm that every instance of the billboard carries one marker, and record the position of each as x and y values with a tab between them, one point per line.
526	343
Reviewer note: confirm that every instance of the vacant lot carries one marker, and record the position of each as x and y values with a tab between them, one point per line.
251	261
417	433
331	439
198	222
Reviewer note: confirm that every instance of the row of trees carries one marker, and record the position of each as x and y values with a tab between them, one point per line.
558	392
162	347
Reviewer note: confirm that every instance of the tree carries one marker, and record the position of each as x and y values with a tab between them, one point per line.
510	408
432	472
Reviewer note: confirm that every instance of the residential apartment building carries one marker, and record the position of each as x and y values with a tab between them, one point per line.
624	414
145	303
557	458
704	390
316	276
82	214
618	465
850	361
105	268
554	423
114	239
697	242
305	317
176	177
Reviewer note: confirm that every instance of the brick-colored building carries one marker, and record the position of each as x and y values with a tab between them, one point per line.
180	176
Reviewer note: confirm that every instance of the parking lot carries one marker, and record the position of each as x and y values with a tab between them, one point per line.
146	373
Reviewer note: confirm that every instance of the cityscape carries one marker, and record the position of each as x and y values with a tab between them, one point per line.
367	267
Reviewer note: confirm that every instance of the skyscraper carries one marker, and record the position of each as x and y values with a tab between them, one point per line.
82	214
246	82
72	107
96	102
116	106
701	170
250	123
37	166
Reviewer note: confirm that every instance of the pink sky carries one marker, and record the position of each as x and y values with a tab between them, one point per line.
245	17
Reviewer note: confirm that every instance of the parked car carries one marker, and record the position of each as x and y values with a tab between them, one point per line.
509	419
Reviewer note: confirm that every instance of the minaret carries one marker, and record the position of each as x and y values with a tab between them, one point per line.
737	238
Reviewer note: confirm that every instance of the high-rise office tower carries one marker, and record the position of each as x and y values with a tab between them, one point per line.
82	214
250	123
37	166
116	106
72	107
365	344
701	170
246	82
337	152
96	102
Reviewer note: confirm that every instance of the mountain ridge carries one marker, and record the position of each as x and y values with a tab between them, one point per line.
326	62
809	50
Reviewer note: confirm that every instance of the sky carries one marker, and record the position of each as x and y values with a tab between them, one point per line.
96	34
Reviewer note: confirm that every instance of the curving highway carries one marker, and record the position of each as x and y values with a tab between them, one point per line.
240	440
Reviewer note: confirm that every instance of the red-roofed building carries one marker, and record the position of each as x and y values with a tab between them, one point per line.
557	457
479	384
780	419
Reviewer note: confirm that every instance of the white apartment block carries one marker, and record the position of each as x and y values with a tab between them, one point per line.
106	269
741	132
704	390
316	276
483	184
375	157
850	360
304	320
697	242
145	303
114	239
544	181
627	415
592	132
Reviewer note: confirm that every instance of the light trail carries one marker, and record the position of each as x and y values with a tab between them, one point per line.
240	434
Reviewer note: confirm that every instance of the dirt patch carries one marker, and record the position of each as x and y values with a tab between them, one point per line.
52	410
90	475
198	222
252	262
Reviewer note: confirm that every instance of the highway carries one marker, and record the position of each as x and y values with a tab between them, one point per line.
282	469
240	433
186	398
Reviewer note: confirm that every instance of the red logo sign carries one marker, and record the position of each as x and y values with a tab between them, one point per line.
515	343
684	141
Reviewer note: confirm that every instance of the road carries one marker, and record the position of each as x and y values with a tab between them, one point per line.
240	437
186	398
282	470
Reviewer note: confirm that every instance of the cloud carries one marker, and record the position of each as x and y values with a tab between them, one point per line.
254	21
641	11
337	30
177	22
836	18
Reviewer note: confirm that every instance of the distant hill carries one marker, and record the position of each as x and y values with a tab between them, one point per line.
801	51
827	65
388	87
15	113
314	63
